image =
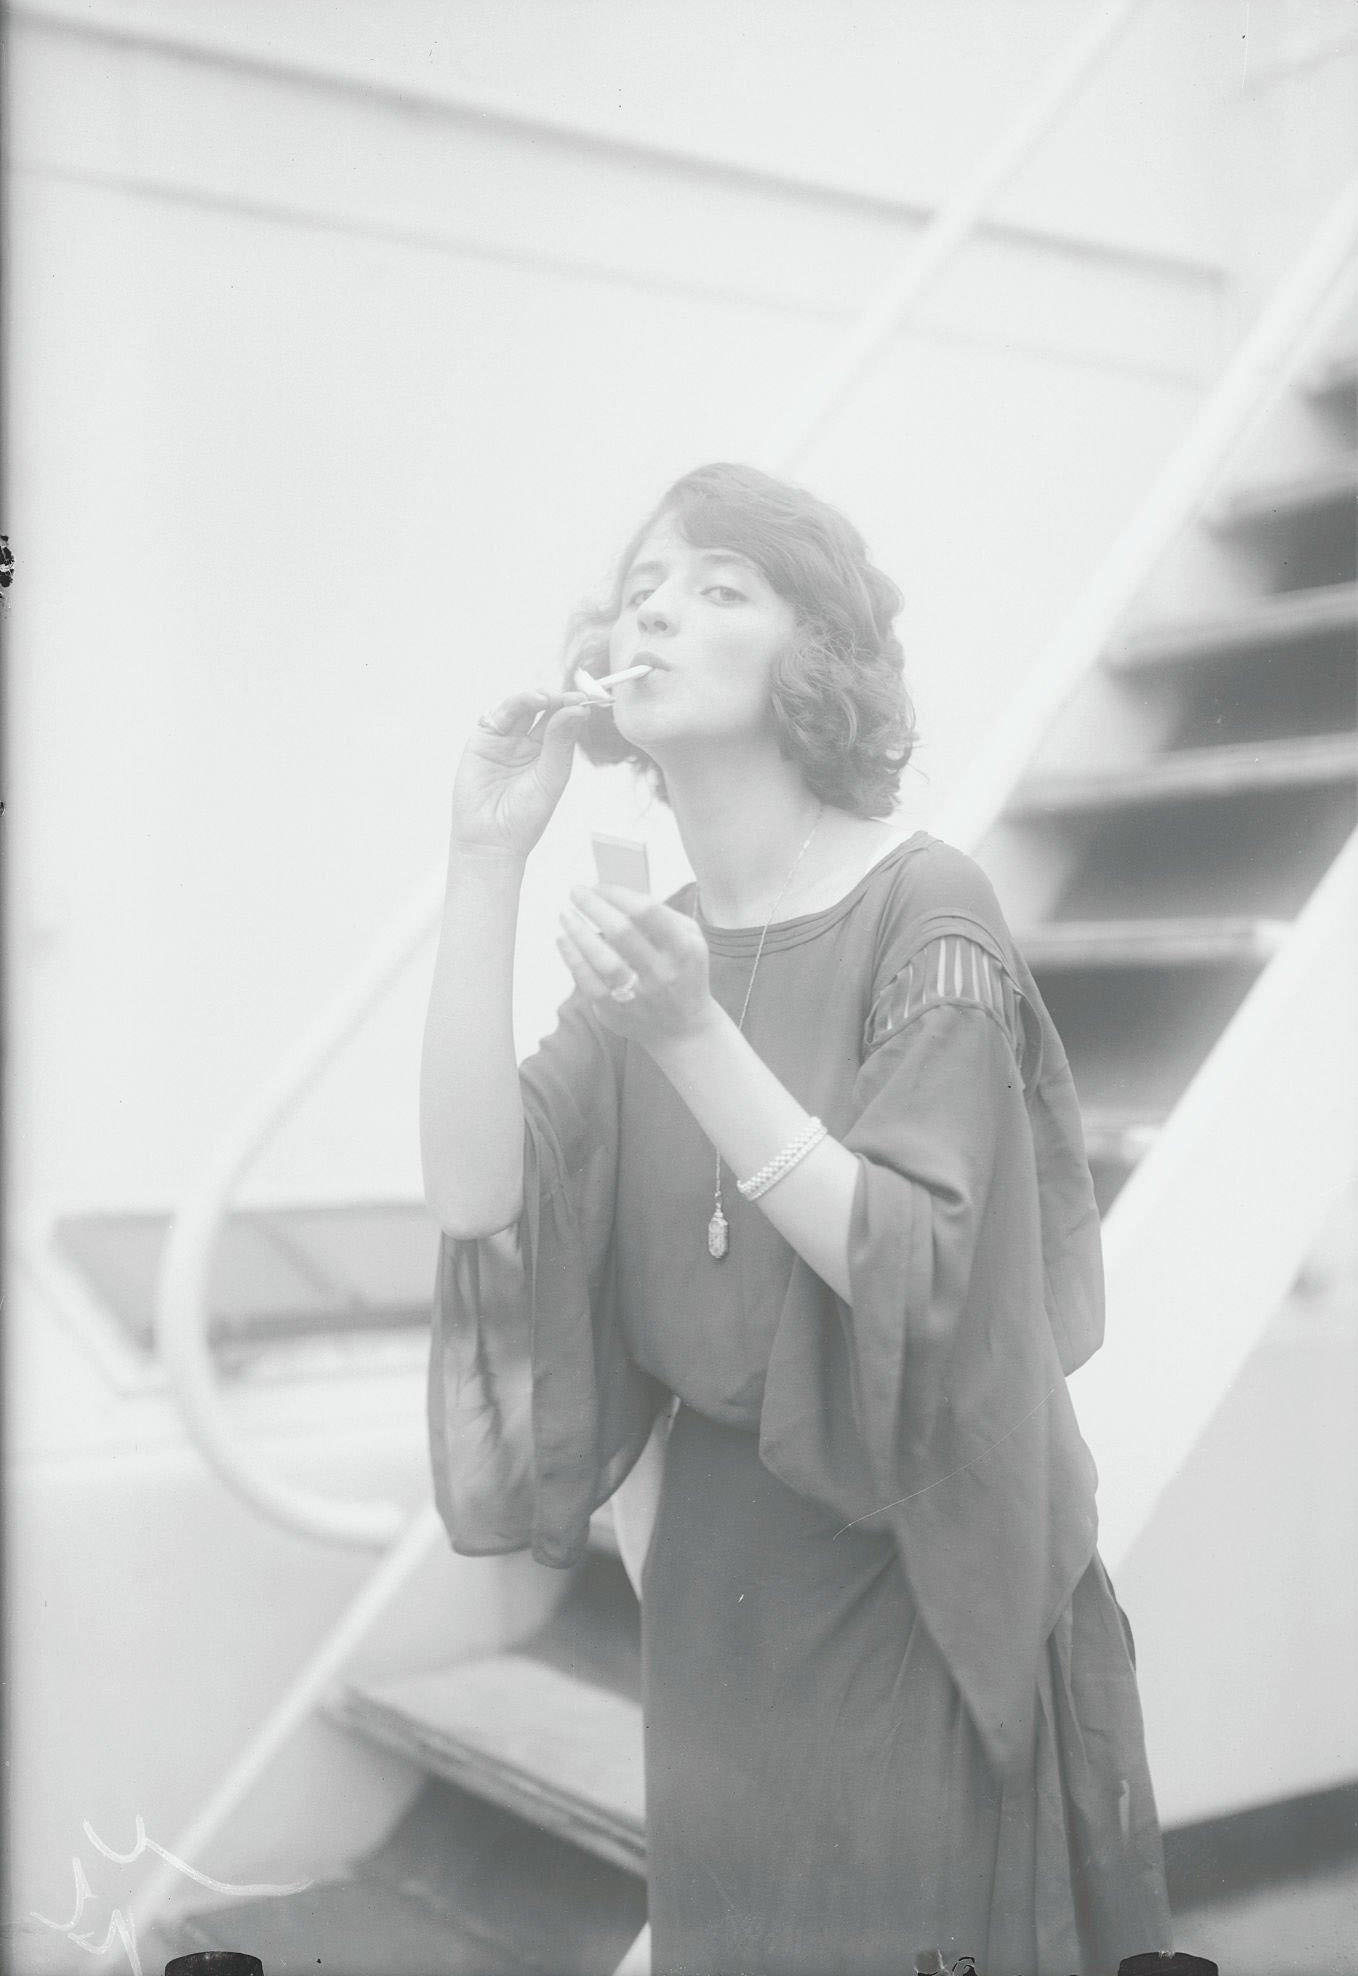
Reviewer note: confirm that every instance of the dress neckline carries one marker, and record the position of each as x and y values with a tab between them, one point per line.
737	940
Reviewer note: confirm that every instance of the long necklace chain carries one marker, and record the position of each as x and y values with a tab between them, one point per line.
718	1228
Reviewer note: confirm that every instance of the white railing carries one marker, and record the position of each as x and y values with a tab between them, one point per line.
182	1302
182	1309
949	230
1204	1241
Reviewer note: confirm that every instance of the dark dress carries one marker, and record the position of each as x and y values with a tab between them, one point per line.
889	1694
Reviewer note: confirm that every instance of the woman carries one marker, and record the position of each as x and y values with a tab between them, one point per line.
803	1154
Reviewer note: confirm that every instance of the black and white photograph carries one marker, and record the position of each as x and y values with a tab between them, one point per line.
680	855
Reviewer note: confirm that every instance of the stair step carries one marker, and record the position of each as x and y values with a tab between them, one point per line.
552	1732
1137	1036
1067	945
1329	484
461	1887
1252	855
557	1750
1277	622
1195	774
351	1928
279	1273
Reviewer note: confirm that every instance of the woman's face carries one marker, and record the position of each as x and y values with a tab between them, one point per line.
712	625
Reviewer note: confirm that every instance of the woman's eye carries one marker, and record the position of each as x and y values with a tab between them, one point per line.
724	593
636	597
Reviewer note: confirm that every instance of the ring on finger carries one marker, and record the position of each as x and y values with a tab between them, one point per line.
626	990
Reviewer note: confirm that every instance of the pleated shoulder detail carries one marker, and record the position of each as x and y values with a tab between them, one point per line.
951	969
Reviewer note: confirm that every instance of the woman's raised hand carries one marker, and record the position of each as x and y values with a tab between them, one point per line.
513	770
642	966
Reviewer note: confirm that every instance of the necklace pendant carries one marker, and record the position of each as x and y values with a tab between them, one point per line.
718	1235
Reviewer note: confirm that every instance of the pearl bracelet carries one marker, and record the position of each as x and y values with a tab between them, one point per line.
782	1163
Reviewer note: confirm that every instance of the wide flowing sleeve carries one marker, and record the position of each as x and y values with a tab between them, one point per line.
932	1402
536	1409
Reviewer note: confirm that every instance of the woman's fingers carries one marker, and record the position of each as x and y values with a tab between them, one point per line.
513	715
673	939
558	733
587	979
609	913
655	921
644	990
518	713
606	961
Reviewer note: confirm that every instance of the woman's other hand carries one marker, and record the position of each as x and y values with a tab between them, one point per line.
514	769
641	965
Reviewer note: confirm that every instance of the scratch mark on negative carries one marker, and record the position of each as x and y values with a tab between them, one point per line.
717	1884
1245	49
953	1473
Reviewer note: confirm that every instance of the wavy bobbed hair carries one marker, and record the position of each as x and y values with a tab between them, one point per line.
840	706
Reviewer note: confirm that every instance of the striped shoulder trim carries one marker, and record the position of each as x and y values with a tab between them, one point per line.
950	970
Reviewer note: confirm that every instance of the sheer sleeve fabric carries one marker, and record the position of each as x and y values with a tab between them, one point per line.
932	1402
536	1410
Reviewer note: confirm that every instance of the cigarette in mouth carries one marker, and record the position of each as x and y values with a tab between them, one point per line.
599	689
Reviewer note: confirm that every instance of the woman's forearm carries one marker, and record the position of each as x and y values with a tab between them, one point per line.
471	1112
750	1116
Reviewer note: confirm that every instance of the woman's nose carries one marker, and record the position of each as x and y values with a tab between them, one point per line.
655	615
